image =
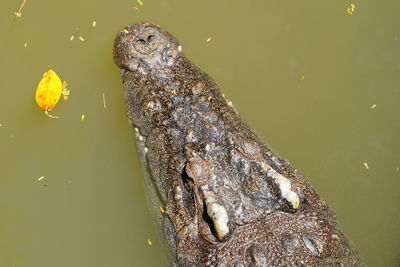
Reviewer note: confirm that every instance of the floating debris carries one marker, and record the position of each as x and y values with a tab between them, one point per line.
82	117
373	106
48	92
397	169
149	242
162	209
25	44
81	38
1	125
302	78
104	101
350	10
208	40
94	24
135	8
65	92
40	178
140	2
366	165
18	14
71	38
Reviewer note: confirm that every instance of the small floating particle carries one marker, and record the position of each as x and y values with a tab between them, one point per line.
104	101
71	38
65	92
208	40
81	38
373	106
366	165
162	209
94	24
350	10
18	14
82	117
149	242
40	178
140	2
25	44
397	169
135	8
302	78
1	125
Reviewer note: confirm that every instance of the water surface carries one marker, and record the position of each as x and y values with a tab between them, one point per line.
90	209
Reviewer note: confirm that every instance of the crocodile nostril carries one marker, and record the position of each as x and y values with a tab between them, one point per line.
150	38
147	42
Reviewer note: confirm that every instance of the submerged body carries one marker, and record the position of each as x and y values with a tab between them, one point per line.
228	199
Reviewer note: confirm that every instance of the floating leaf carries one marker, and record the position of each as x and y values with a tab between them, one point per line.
48	91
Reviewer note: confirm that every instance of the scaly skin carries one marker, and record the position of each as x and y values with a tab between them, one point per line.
228	199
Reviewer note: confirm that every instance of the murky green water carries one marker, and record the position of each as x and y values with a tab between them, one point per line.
90	208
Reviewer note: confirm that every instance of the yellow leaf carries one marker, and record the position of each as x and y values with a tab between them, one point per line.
48	91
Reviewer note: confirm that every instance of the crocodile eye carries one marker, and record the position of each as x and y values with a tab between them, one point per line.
141	41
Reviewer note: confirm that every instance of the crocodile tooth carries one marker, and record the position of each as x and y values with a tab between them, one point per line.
284	186
217	213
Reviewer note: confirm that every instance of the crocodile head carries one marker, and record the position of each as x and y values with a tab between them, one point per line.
228	199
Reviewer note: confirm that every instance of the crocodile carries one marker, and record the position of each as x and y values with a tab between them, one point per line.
220	195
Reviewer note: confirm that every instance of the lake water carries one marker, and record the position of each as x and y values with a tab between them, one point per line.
304	74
